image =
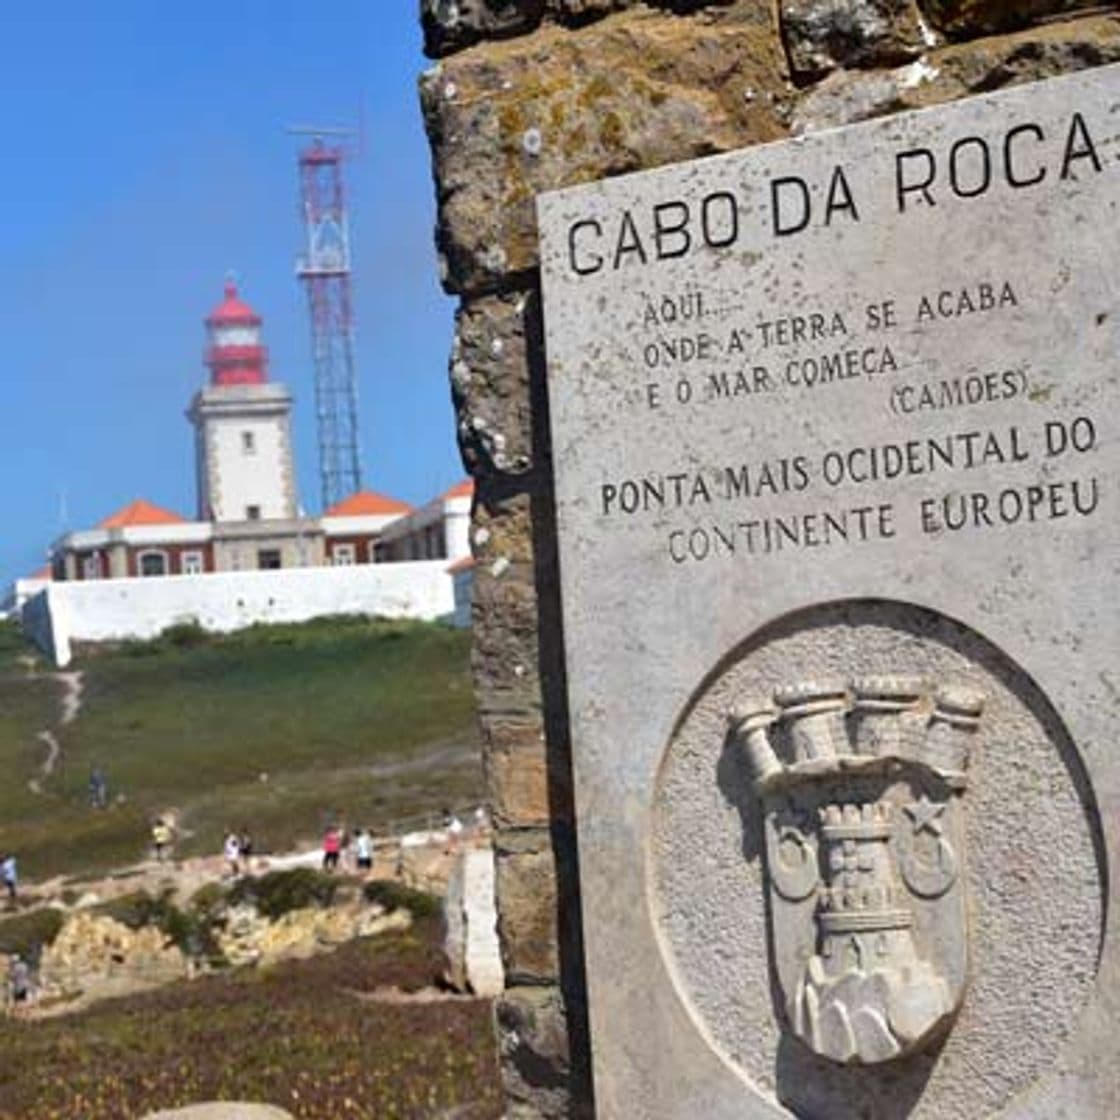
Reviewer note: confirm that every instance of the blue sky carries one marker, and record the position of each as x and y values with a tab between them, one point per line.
145	155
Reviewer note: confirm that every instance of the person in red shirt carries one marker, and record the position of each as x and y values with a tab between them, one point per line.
332	845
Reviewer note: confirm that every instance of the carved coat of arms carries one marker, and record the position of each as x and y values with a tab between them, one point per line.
862	786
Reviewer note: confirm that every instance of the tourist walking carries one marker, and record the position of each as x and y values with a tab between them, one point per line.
19	984
332	846
232	852
481	822
245	847
98	788
454	827
363	850
9	876
161	839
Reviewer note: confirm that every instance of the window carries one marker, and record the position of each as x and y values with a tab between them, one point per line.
153	563
248	443
433	543
253	513
191	563
342	555
268	559
91	566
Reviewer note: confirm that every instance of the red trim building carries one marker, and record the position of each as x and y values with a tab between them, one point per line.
248	512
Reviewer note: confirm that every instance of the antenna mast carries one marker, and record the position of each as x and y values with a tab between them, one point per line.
324	269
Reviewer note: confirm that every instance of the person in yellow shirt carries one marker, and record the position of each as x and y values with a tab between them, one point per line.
161	838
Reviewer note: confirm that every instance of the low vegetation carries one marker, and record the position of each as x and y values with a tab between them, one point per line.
191	929
274	729
312	1037
27	933
279	892
396	896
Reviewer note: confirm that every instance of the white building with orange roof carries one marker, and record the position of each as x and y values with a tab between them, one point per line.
437	530
354	526
140	539
250	555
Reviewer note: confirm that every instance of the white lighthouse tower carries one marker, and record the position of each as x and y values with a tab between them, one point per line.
242	422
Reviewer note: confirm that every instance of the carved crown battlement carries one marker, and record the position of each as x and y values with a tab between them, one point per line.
868	821
818	726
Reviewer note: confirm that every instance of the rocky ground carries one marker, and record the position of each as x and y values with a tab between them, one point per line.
155	923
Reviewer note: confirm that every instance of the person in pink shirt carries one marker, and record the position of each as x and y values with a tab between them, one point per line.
332	846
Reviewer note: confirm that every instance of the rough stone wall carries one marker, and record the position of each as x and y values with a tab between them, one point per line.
530	95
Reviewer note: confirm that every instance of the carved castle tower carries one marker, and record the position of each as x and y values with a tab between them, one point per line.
862	917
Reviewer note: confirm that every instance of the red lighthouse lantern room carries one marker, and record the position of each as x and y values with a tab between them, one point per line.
234	353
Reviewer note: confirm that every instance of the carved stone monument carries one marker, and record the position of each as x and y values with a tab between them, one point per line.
835	428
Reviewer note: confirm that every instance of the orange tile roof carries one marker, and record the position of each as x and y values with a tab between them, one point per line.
366	503
464	489
140	512
41	573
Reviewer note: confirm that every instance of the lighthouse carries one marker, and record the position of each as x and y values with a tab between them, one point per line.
242	423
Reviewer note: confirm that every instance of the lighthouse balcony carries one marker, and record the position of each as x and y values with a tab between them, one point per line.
236	355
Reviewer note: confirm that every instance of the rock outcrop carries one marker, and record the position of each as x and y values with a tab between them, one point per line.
137	941
250	938
92	948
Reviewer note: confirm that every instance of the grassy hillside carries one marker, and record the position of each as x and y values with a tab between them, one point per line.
271	728
29	701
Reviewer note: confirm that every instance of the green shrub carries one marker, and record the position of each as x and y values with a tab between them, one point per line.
135	910
396	896
184	635
192	931
209	899
27	932
279	892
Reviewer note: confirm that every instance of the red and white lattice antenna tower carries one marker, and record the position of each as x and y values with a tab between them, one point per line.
324	269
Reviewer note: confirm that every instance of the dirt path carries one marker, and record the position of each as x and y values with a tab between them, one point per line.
71	706
420	995
46	768
440	755
72	686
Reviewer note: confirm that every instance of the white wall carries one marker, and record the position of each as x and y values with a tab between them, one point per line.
457	527
115	609
178	532
23	589
357	526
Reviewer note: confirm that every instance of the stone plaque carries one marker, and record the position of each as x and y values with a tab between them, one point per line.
835	431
